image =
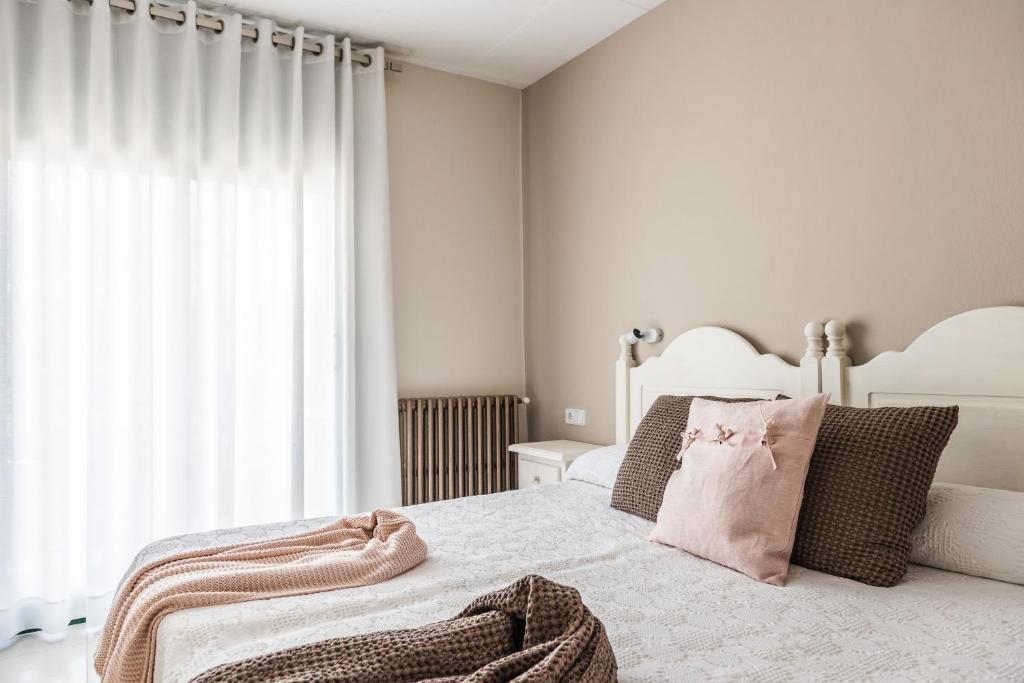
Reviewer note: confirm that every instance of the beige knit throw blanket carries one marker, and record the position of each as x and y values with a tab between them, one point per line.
354	551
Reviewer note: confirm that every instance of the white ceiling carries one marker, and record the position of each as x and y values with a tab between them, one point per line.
513	42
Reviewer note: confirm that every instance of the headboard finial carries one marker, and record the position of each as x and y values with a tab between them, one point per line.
623	366
836	332
625	350
814	332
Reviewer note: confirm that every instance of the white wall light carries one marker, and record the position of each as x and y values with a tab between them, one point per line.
651	335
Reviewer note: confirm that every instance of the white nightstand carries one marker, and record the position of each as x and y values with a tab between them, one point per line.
545	462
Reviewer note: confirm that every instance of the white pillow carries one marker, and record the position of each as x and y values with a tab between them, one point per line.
973	531
599	466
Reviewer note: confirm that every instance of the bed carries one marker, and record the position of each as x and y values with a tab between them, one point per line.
670	615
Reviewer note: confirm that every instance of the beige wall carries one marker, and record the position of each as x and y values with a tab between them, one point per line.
454	147
760	164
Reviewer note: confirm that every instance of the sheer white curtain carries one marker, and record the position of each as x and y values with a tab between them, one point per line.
195	295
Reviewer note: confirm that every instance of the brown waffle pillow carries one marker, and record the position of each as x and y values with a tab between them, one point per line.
867	487
651	457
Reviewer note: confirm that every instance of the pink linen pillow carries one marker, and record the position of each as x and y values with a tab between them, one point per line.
736	498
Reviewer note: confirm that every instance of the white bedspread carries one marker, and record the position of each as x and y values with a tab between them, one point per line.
670	616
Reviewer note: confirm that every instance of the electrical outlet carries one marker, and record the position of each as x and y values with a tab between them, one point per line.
575	416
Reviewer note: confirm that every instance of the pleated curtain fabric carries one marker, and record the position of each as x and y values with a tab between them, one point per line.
195	292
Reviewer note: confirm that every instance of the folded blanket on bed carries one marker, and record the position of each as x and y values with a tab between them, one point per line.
354	551
532	630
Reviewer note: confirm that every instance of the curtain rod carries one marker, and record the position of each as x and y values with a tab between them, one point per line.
212	23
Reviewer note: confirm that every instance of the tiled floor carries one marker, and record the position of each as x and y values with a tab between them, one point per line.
35	660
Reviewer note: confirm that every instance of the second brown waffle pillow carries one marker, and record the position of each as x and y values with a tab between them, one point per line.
867	487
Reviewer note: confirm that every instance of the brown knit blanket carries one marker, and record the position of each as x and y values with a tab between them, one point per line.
354	551
533	630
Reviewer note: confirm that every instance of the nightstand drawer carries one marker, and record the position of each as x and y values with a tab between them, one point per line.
535	474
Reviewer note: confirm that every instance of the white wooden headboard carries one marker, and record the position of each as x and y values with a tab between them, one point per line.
710	361
974	360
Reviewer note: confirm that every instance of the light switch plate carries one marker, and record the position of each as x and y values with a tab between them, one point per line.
575	416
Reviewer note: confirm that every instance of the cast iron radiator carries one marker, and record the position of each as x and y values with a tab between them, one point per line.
457	446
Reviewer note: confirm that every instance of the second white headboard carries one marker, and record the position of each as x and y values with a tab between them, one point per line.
974	360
